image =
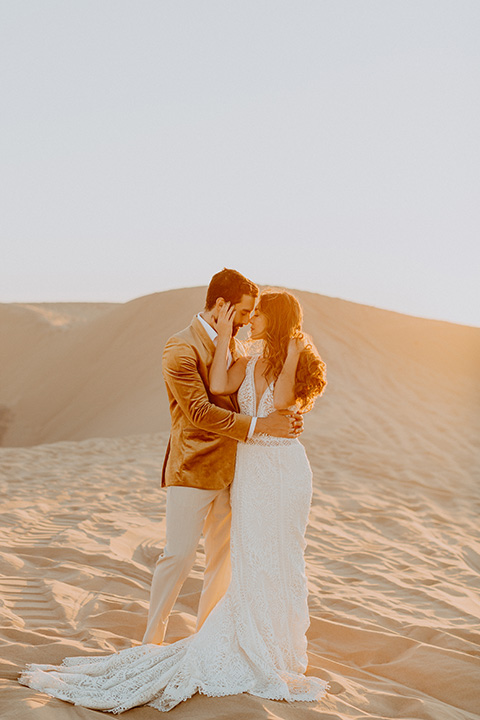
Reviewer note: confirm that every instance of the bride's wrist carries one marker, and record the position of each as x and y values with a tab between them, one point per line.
223	338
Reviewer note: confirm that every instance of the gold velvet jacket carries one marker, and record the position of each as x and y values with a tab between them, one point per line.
205	429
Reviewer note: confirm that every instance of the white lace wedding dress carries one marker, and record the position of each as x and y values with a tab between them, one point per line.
254	639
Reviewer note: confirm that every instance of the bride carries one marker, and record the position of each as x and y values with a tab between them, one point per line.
254	640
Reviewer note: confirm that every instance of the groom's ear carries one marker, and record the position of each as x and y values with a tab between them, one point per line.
219	303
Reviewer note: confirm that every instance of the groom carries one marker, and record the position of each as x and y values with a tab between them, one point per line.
199	463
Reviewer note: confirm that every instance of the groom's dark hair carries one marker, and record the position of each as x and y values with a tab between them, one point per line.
229	285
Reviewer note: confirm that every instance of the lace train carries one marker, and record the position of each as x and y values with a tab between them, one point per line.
116	682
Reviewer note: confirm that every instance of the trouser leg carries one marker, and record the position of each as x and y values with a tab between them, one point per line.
217	555
186	511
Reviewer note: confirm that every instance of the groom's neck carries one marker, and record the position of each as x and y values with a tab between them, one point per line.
207	316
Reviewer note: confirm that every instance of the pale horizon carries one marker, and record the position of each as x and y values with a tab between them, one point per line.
332	148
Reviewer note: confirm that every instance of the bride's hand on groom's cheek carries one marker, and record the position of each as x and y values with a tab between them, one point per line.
224	323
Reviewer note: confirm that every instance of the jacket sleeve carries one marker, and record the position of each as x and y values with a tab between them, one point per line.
180	371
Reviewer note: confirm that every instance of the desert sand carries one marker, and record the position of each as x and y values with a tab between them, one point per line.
393	546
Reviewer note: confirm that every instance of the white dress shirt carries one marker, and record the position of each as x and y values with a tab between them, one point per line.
212	334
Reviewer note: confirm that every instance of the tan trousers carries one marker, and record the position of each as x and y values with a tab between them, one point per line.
189	511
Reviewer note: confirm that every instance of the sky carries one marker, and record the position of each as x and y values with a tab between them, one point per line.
324	145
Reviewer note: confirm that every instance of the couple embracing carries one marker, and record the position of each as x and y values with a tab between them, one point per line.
234	469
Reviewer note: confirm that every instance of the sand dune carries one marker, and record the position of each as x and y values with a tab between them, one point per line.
393	553
97	373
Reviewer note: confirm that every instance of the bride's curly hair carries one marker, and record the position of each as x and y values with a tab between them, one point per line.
284	321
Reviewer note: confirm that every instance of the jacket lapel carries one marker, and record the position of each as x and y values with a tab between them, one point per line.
202	335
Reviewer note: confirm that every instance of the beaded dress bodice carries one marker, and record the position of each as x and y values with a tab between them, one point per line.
247	399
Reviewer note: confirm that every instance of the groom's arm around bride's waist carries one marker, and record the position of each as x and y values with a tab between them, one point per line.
188	397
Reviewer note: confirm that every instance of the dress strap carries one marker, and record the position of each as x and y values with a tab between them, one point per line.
247	389
250	369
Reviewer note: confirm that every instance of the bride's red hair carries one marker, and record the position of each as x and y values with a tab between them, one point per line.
284	321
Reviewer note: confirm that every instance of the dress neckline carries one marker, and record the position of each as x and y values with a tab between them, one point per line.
254	393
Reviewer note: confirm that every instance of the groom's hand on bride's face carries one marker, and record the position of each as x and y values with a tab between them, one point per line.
280	424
